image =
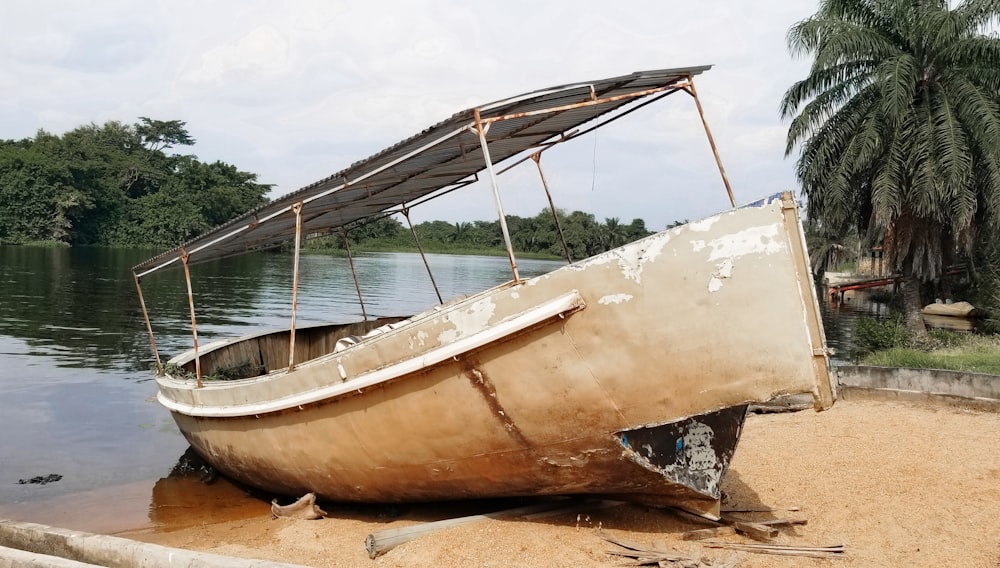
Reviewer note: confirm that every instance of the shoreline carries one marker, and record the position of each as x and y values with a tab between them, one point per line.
898	483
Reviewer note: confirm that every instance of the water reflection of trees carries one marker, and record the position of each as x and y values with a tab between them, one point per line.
79	306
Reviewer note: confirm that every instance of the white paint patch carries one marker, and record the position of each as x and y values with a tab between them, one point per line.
468	321
697	245
515	295
755	240
419	340
698	451
725	270
614	299
703	225
630	258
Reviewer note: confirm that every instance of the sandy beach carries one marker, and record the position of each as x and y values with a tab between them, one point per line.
898	484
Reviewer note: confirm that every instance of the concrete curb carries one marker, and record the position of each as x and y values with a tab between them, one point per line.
977	391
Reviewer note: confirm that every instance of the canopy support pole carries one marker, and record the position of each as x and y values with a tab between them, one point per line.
537	157
711	141
481	130
297	208
149	327
350	259
406	213
194	323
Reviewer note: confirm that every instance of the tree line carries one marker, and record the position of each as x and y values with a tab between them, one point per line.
115	184
584	235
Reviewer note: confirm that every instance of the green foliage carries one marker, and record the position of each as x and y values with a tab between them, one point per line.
829	250
871	335
986	291
535	236
114	185
899	126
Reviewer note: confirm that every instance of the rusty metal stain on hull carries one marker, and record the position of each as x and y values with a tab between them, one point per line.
481	382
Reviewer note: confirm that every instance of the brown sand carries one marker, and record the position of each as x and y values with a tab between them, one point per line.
899	484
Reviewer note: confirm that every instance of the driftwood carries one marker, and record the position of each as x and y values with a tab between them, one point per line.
305	508
835	551
384	541
49	544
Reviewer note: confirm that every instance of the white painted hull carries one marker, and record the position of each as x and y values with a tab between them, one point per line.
540	387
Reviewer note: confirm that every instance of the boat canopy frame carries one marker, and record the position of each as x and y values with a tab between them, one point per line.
443	158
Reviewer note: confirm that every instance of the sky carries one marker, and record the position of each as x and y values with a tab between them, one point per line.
295	91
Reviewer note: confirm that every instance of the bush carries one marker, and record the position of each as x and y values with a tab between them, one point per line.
871	335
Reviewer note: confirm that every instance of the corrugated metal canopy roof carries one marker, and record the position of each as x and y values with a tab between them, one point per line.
439	159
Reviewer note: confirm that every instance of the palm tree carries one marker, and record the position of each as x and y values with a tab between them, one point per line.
613	233
899	127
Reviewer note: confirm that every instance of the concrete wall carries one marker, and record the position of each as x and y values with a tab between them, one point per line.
974	390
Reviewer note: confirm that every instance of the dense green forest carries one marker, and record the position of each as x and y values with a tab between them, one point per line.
115	185
538	235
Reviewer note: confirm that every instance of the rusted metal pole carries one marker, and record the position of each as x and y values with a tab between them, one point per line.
149	327
406	213
194	323
711	141
350	259
297	208
496	193
537	157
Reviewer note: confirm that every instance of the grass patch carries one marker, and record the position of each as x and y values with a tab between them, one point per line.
970	353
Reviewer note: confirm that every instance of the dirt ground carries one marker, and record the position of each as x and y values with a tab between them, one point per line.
898	484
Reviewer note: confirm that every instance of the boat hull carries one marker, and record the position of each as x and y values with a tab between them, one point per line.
626	374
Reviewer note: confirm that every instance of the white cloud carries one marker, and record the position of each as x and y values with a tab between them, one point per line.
298	91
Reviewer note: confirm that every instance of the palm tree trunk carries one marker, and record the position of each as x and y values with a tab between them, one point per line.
912	304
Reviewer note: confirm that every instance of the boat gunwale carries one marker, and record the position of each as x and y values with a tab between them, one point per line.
556	307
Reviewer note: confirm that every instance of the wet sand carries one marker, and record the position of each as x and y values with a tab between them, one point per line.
898	484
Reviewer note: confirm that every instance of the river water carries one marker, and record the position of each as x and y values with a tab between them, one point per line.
77	397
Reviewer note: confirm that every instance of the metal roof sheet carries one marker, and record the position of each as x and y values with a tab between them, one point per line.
437	160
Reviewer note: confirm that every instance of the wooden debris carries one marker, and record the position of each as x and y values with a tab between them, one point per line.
835	551
761	509
305	508
766	529
756	531
384	541
712	532
656	555
783	522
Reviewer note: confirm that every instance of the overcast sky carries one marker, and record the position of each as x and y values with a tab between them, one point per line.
295	91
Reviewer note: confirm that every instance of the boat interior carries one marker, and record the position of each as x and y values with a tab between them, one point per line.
264	353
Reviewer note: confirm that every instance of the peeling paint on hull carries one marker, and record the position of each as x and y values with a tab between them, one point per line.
532	388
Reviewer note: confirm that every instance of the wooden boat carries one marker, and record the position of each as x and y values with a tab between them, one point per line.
627	374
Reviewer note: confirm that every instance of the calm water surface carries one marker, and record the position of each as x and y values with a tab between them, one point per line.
77	398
